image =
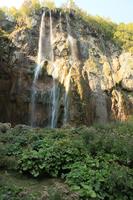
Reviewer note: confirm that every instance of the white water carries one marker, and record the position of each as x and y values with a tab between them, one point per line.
68	78
66	98
70	39
55	90
55	104
61	30
40	58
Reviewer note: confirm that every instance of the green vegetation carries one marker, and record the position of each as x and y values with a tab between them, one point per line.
100	25
120	34
51	157
96	162
48	3
124	36
2	14
13	193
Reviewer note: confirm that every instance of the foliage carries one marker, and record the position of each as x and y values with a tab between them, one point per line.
52	158
101	178
29	7
69	5
2	14
3	34
11	13
13	193
99	25
121	34
114	139
96	161
48	3
124	34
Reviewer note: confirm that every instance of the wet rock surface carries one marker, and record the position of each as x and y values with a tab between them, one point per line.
101	80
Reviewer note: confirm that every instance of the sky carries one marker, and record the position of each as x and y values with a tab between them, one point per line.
117	10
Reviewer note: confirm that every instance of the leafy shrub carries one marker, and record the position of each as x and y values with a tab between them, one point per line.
52	158
111	139
96	161
101	178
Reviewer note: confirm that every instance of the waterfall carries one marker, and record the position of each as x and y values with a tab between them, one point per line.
55	89
72	42
55	92
74	58
45	50
51	38
68	78
61	30
41	50
66	99
40	58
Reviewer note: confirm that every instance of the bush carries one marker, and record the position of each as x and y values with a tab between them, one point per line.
101	178
52	158
96	161
111	139
124	36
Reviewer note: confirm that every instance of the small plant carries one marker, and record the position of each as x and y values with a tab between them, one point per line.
14	193
54	194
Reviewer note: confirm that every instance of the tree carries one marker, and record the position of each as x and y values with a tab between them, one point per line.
29	6
13	13
70	4
48	3
36	4
124	34
2	14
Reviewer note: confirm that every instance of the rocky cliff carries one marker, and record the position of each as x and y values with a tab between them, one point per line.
94	77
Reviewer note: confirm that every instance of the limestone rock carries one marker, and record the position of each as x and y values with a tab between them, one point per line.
95	74
4	127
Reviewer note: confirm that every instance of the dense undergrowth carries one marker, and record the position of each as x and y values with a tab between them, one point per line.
13	193
96	162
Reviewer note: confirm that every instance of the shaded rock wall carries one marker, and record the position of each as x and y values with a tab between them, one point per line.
101	83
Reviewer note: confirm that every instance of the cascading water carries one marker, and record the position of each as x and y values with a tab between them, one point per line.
60	23
41	48
55	89
45	50
72	59
55	92
72	42
40	58
68	78
66	99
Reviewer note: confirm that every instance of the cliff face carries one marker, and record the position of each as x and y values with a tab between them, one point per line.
94	79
